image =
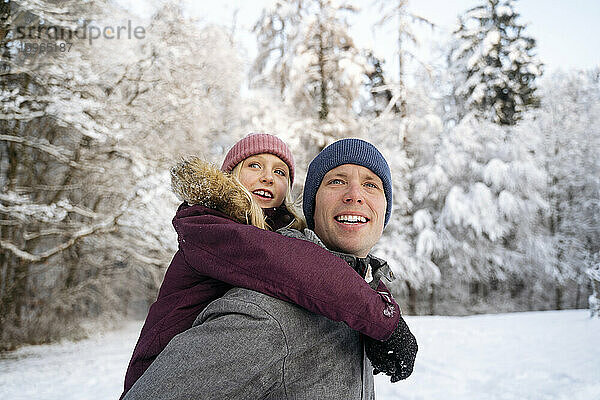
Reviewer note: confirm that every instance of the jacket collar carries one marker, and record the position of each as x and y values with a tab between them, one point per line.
370	267
378	268
278	217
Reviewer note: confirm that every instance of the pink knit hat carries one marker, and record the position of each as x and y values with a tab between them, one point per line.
258	143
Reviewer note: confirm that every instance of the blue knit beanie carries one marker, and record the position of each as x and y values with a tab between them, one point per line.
345	151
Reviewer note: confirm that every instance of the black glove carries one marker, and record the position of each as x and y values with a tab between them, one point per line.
395	356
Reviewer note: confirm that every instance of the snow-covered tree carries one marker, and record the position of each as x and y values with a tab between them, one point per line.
565	136
277	34
594	299
307	47
383	97
87	137
478	206
414	269
182	87
408	143
48	120
396	12
495	64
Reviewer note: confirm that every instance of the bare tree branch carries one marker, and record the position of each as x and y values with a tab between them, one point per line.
106	226
22	117
47	232
54	151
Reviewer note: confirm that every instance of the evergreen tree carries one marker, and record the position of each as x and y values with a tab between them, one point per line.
565	133
306	49
498	64
480	201
415	270
397	11
382	97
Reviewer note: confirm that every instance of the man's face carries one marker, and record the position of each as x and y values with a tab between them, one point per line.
350	209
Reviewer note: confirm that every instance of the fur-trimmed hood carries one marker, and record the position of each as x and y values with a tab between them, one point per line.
196	181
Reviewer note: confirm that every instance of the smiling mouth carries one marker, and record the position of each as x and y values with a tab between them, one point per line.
263	194
351	219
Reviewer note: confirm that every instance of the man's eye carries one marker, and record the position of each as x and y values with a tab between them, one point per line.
280	172
371	185
336	182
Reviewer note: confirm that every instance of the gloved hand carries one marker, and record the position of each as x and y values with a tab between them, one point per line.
395	356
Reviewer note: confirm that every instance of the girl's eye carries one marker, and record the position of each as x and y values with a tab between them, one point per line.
254	165
280	172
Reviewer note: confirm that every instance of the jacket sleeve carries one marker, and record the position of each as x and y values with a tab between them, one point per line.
289	269
212	360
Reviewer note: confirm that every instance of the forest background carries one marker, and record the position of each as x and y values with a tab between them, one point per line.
495	162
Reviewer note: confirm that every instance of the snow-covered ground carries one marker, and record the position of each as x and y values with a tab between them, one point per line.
539	355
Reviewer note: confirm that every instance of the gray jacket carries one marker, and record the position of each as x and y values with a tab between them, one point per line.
247	345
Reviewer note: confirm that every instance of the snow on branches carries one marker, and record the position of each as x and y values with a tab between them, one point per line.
495	63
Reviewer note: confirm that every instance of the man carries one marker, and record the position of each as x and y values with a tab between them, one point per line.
247	345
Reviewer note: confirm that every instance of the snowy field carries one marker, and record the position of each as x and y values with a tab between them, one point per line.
541	355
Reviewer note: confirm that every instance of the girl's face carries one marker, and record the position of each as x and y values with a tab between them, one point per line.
266	177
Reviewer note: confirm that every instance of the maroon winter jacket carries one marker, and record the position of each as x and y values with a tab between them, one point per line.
216	253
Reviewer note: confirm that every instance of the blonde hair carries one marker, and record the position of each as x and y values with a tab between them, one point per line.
257	216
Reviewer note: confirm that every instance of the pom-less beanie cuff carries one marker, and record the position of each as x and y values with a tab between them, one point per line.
345	151
258	143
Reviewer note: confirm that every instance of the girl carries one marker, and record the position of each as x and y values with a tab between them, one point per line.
220	246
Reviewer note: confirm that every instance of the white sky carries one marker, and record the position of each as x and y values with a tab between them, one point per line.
567	31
